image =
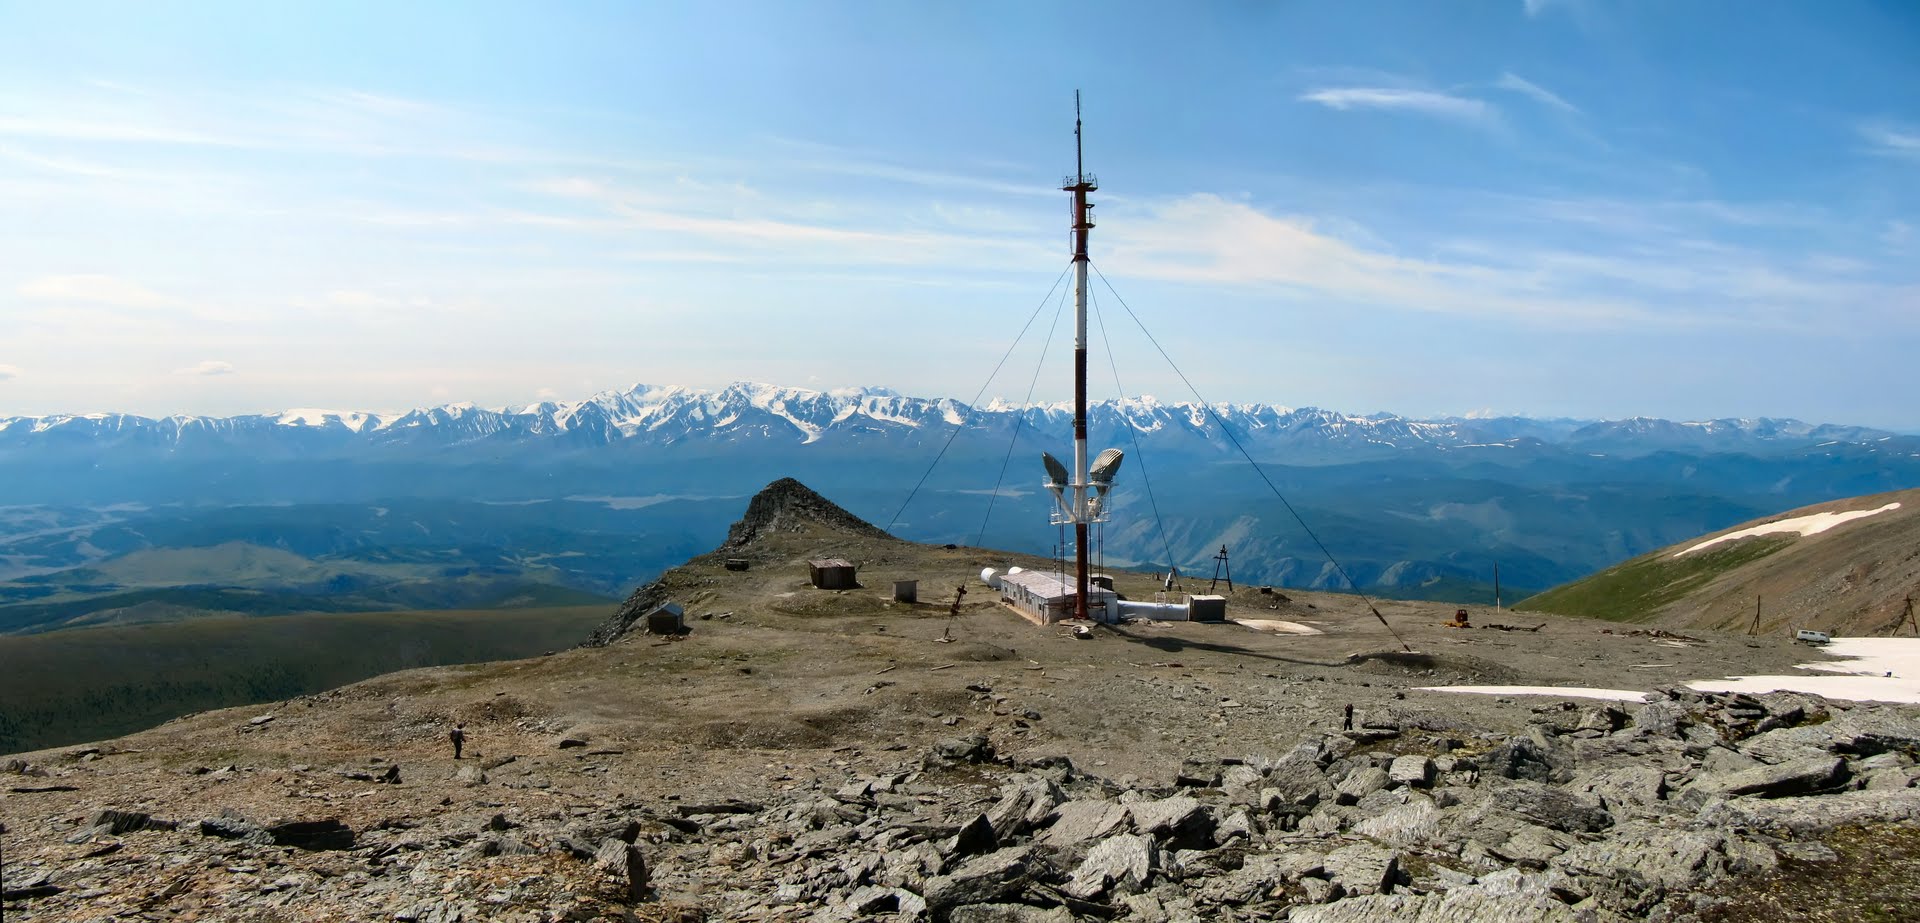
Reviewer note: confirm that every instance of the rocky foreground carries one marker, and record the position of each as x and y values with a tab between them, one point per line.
1599	813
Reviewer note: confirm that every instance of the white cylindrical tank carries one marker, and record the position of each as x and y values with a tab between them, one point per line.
990	577
1158	612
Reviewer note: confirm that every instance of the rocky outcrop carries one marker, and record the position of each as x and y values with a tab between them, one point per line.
1650	811
786	505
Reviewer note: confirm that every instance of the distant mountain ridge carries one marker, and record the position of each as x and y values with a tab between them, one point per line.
750	413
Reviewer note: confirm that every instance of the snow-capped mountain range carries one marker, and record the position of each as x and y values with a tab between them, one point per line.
750	413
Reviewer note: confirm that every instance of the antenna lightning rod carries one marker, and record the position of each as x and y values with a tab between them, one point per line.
1079	160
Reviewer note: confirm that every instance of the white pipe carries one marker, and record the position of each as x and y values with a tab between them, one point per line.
1158	612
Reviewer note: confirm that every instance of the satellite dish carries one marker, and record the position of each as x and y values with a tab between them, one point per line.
1105	466
1056	472
1056	480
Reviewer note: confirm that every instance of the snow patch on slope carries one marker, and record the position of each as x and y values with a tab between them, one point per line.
1810	524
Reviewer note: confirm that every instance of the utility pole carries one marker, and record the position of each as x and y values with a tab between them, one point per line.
1496	588
1909	618
1756	616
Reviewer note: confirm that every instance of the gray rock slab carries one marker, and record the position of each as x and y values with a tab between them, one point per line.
1623	788
1126	861
1361	783
1414	771
994	877
1024	804
1812	815
1179	822
1363	869
1552	806
1077	822
623	864
975	837
1789	744
1650	856
1795	777
1467	904
1406	826
1009	913
1298	776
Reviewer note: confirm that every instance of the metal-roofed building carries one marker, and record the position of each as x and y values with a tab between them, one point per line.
1046	598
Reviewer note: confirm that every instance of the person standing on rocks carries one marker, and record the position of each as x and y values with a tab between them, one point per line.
459	737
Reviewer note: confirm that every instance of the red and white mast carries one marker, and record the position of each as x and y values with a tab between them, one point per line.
1080	183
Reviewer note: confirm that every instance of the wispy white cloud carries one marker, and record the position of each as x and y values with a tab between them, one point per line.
207	367
360	299
762	226
97	289
9	372
1512	81
1209	239
1424	102
1889	140
1607	280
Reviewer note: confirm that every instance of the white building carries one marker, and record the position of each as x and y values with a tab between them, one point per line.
1046	598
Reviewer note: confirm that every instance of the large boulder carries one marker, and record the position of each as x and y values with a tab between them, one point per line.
1552	806
1363	869
1078	822
1180	821
1407	826
1795	777
995	877
1492	901
1124	862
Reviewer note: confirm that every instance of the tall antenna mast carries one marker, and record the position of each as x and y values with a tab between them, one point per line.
1080	184
1090	480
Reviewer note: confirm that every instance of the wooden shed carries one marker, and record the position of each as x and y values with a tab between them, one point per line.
832	574
668	619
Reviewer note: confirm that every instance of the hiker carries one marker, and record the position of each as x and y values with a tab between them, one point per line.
459	736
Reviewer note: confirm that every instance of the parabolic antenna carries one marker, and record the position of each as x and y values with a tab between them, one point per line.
1105	466
1056	472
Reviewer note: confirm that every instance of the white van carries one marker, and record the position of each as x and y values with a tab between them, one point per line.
1812	637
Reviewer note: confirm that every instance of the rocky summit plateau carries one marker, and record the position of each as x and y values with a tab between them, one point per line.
838	755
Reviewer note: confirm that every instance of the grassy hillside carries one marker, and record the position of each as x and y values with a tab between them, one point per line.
1637	590
1851	572
70	686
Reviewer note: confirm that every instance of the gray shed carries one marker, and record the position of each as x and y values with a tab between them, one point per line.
832	574
668	619
1207	608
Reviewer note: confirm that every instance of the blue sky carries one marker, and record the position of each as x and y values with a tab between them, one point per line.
1550	207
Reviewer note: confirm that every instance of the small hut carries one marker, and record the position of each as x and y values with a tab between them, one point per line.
1207	608
832	574
906	591
668	619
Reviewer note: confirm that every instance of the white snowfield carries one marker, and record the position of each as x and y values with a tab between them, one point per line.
1278	626
1810	524
1566	692
1873	670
